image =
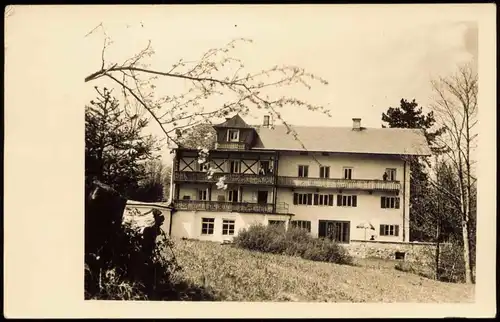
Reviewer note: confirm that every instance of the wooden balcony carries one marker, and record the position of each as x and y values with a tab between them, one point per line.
233	178
230	146
352	184
223	206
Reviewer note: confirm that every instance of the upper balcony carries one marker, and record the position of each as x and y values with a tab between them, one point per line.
348	184
231	178
231	146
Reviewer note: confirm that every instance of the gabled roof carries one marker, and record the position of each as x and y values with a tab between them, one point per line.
345	140
235	122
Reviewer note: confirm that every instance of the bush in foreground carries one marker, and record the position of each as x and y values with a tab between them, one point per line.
292	242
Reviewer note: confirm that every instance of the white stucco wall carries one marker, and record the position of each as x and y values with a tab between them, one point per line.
368	205
188	224
364	167
368	209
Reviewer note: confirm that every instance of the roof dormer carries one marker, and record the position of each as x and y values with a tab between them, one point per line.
234	134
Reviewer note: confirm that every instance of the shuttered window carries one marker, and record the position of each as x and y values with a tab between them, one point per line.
323	200
389	230
302	224
347	200
302	198
389	202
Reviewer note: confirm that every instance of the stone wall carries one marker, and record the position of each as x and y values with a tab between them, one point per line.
418	252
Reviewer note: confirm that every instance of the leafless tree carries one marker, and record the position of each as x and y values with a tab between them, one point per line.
215	73
456	108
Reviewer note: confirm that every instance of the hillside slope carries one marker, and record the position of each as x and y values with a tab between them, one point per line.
233	274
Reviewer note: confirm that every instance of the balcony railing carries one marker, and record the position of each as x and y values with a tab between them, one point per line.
354	184
245	207
235	178
230	146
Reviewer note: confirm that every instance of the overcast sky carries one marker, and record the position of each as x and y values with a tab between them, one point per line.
371	56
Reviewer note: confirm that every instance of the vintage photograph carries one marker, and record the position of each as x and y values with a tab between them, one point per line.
258	157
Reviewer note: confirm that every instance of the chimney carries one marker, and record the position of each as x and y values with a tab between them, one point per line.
266	121
356	124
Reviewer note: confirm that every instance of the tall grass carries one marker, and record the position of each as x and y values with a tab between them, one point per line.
292	242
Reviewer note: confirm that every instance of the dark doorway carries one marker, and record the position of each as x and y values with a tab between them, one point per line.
262	196
334	230
264	167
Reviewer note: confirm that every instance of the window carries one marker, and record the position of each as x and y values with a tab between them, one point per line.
391	174
303	171
233	195
302	198
389	230
334	230
323	200
324	172
203	194
186	197
302	224
279	223
348	173
347	201
234	167
389	202
207	226
227	227
202	167
233	135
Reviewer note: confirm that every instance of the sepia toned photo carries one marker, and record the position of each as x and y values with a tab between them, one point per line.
248	154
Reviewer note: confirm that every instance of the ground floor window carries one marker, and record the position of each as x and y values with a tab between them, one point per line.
389	230
279	223
227	227
334	230
207	226
302	224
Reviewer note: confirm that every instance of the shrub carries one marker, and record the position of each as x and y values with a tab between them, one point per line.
451	264
292	242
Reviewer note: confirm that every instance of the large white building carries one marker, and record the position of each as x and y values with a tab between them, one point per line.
331	181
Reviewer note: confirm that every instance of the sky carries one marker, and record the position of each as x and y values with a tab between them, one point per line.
371	56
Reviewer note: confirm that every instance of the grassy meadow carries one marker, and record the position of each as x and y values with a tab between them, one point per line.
227	273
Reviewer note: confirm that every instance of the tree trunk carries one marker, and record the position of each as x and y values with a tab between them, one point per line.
465	234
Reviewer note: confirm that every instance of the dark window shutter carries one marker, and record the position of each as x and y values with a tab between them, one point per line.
397	203
330	200
322	229
308	226
295	198
306	171
382	202
327	172
354	201
339	200
382	233
315	198
309	198
396	230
